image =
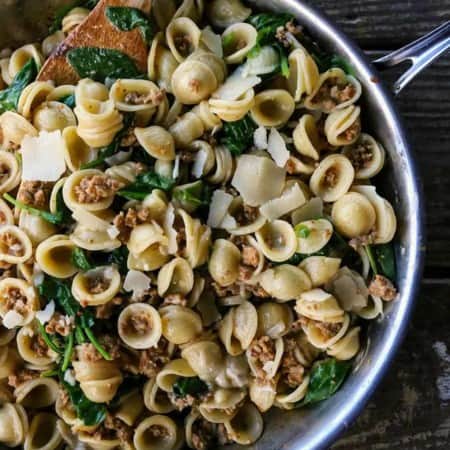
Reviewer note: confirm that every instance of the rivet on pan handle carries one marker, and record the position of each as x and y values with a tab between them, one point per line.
420	53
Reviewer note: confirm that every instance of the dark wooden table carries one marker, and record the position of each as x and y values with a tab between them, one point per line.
411	409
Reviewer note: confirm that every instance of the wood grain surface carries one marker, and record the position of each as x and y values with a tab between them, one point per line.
411	408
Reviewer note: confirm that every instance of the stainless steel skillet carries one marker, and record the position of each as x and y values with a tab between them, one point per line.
24	20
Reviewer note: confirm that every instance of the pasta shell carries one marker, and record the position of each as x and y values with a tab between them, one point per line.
223	13
224	262
180	324
332	178
321	306
277	240
319	233
157	142
343	126
241	38
272	108
246	426
183	37
43	433
303	74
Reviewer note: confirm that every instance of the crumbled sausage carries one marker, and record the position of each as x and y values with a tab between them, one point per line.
203	434
21	376
291	369
35	193
123	432
352	132
157	431
95	188
289	27
16	300
153	359
97	284
245	272
262	350
60	324
331	177
222	435
246	214
88	353
361	241
181	403
126	221
333	92
250	256
326	329
381	287
39	346
139	323
154	97
10	244
361	156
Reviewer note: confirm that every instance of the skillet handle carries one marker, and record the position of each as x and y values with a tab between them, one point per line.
420	53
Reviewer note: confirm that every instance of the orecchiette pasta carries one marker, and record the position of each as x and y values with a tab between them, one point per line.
187	236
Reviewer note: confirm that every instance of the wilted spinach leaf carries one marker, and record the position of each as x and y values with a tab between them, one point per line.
68	100
193	195
144	185
382	258
326	378
89	412
189	386
238	136
55	219
9	97
59	291
127	19
101	63
80	260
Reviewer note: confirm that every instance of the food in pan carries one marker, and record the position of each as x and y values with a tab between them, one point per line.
190	232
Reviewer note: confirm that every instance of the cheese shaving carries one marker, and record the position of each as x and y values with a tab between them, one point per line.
212	41
12	319
136	282
292	198
113	232
90	221
176	168
220	202
169	219
46	314
229	222
69	377
43	157
236	85
277	148
199	163
260	138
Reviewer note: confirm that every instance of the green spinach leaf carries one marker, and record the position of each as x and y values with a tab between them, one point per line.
101	63
68	100
301	230
382	259
326	378
9	97
55	219
189	386
80	260
144	185
119	257
89	412
238	136
59	291
126	19
194	194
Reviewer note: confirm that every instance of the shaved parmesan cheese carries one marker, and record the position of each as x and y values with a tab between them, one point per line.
292	198
258	179
310	210
43	157
38	275
236	85
212	41
260	138
176	168
12	319
229	222
113	232
46	314
199	163
220	202
315	295
69	377
277	148
169	219
136	282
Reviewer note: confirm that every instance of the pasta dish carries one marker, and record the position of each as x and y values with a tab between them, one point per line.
191	233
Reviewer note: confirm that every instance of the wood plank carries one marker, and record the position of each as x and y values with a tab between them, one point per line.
411	408
386	24
425	107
